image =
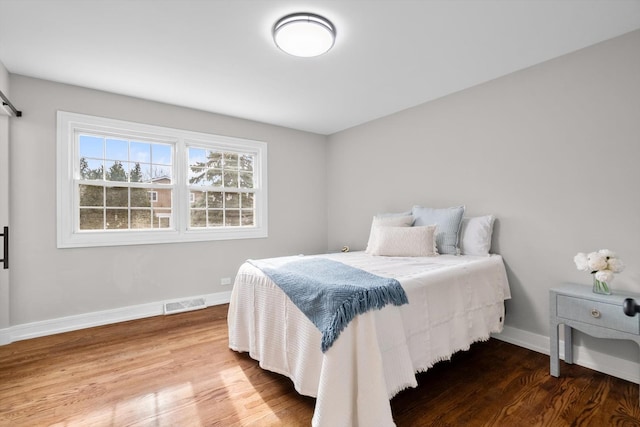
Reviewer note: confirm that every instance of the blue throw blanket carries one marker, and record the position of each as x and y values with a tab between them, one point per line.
331	293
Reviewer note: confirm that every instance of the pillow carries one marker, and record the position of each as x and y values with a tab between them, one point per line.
405	241
448	222
387	220
475	235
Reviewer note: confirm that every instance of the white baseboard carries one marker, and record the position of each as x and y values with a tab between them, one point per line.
610	365
97	318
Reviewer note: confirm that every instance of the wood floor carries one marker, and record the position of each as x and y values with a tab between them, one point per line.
177	371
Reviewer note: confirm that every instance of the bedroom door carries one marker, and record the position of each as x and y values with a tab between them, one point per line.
4	222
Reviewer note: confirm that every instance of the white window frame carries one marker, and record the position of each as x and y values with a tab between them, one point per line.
69	235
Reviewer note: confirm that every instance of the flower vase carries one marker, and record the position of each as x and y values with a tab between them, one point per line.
600	287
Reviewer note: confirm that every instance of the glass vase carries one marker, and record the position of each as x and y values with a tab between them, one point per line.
600	287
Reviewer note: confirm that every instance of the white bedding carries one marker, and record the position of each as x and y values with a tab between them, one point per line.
453	302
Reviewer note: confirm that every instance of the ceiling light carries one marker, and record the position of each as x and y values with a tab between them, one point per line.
304	34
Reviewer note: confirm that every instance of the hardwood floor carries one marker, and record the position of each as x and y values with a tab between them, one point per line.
178	371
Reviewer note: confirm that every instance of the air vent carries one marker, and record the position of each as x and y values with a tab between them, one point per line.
184	305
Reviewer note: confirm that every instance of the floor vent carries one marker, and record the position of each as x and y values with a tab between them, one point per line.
184	305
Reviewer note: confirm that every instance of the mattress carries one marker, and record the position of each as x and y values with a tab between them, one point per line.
453	302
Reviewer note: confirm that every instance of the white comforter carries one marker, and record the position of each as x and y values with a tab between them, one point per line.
453	302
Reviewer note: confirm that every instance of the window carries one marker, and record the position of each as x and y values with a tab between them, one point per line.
115	177
221	188
125	183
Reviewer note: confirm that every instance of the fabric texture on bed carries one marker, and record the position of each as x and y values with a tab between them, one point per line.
405	241
447	220
453	302
404	219
475	235
331	293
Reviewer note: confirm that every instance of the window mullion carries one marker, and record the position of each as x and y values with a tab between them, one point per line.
180	191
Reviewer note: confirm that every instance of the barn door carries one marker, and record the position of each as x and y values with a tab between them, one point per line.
4	226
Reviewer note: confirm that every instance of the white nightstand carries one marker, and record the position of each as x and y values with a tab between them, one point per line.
577	307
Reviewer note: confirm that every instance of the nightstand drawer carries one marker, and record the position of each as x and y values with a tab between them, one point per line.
596	313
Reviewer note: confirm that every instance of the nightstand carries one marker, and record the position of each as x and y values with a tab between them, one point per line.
577	307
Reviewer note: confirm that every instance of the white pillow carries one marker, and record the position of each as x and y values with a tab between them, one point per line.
387	220
475	235
405	241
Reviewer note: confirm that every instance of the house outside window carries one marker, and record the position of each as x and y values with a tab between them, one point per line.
127	183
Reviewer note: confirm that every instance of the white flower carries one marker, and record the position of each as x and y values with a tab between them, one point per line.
581	261
615	265
603	264
608	253
604	275
596	261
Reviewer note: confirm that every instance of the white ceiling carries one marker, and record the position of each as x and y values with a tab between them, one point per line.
218	56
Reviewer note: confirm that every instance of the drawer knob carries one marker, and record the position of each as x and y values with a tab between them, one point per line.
595	313
630	307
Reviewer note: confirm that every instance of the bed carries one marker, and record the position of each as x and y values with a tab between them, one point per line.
454	301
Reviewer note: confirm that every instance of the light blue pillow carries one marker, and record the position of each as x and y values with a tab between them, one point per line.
448	222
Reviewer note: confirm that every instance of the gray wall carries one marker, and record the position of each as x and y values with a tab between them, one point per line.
49	283
4	79
553	151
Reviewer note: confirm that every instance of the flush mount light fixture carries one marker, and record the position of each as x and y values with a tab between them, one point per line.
304	34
